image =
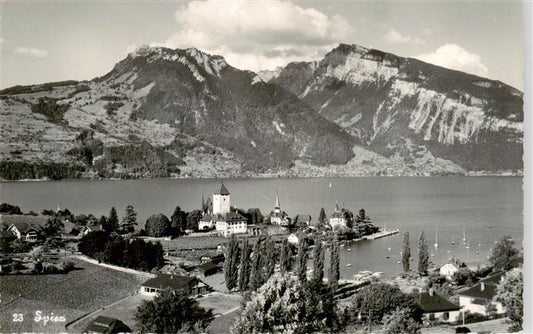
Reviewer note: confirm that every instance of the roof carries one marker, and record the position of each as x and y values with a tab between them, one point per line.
174	282
104	324
7	235
302	218
234	216
494	278
207	266
24	222
488	292
223	190
436	303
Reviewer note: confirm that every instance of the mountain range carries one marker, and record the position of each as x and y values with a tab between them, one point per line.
358	111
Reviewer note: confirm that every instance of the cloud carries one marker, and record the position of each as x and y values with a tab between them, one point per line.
456	57
31	52
268	30
394	37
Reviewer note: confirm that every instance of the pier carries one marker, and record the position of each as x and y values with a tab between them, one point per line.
382	234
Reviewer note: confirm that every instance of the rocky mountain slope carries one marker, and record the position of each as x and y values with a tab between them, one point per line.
163	112
402	107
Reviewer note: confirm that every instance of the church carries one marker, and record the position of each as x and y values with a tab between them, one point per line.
278	217
221	218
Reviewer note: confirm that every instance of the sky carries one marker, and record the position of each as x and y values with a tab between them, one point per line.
52	41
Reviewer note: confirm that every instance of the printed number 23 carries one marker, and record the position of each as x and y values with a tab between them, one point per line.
18	317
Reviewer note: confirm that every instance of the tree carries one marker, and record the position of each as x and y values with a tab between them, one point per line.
406	254
318	261
423	254
301	260
157	225
171	312
112	221
193	218
504	255
464	276
284	305
400	322
375	301
93	243
510	293
114	250
256	216
9	209
179	221
257	277
334	266
322	217
271	256
244	268
231	265
286	256
130	219
361	216
54	226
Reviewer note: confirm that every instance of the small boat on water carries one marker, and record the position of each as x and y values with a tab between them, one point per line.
464	234
389	249
348	265
477	252
399	262
330	184
449	251
387	257
349	250
436	238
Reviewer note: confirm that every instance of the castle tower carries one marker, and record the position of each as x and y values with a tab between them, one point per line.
221	201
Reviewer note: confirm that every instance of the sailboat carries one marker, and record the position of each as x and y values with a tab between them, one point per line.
453	240
436	238
468	245
464	234
330	184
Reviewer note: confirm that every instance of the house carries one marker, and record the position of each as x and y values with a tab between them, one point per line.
437	307
278	217
450	268
337	219
476	299
207	269
293	239
107	325
91	228
302	221
27	228
216	259
187	284
221	217
207	223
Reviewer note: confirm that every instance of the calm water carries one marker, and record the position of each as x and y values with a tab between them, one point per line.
486	207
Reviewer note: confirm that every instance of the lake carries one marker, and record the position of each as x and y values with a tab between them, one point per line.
486	208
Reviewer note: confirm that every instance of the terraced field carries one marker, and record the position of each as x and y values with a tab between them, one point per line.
72	295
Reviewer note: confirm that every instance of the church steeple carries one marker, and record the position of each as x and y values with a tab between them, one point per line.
277	207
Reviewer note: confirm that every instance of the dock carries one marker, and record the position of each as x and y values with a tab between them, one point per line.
382	234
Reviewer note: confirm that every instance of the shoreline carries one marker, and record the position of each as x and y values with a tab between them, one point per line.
263	176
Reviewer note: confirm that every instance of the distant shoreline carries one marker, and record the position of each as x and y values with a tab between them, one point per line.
266	176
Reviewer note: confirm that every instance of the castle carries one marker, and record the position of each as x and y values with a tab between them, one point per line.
221	217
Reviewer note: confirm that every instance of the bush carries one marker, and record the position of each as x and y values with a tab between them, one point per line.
50	108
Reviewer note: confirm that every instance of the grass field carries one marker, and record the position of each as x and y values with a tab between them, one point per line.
72	295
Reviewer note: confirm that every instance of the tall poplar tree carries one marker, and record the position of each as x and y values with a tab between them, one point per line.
334	267
406	253
270	257
285	258
231	265
322	217
112	221
423	254
318	261
301	261
256	279
244	269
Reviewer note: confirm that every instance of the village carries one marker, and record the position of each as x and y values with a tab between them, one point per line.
221	257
